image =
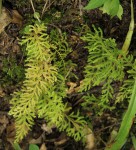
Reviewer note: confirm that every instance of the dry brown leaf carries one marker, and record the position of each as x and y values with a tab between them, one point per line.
90	139
3	123
61	140
72	86
48	129
6	18
17	18
2	94
43	147
4	120
36	141
11	132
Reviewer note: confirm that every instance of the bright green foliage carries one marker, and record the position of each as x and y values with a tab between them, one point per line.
61	51
40	74
33	147
16	146
126	89
111	7
44	86
95	4
103	66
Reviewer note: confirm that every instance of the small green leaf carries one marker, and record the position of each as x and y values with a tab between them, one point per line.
33	147
36	15
114	7
111	7
94	4
27	30
16	146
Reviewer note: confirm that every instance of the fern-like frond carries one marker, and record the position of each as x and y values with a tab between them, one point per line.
103	64
40	75
44	86
126	89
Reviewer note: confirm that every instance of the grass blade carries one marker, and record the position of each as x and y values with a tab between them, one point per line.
126	124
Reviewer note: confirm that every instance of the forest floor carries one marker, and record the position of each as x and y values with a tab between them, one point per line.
12	73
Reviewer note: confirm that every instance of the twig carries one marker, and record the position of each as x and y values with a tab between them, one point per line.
32	5
44	10
44	7
34	10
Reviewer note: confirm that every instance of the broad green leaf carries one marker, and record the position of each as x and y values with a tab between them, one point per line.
126	123
114	7
94	4
111	7
105	7
33	147
120	12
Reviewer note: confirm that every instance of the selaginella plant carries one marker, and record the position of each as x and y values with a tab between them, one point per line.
44	87
104	67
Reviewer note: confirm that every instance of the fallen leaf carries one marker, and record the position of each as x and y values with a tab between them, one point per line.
11	132
16	18
47	128
36	141
72	87
61	140
43	147
6	18
90	139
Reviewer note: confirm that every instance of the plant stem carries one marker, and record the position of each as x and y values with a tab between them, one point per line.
130	31
32	5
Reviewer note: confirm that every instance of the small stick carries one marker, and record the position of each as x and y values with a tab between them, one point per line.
44	7
34	10
32	5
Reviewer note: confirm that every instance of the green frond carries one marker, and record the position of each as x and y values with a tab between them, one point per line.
44	86
39	76
126	89
103	65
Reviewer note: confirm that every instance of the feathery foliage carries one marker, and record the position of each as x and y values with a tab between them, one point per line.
126	89
44	86
103	66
